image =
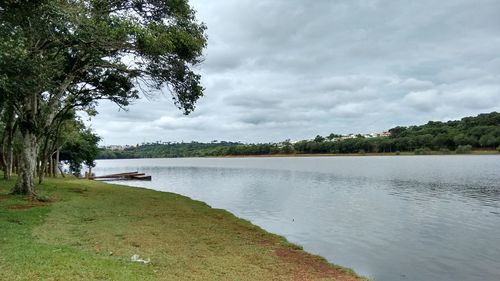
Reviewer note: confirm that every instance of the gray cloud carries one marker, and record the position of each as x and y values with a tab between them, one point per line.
293	69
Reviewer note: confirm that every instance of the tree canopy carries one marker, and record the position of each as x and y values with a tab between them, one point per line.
81	148
62	55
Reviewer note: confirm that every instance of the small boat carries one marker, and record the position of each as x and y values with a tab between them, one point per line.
123	176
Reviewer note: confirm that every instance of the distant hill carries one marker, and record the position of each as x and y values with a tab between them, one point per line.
461	136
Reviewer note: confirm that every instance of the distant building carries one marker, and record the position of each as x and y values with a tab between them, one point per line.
114	147
353	136
118	147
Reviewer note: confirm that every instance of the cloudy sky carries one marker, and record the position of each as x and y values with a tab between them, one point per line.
292	69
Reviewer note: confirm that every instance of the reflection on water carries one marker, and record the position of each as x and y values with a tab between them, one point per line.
390	218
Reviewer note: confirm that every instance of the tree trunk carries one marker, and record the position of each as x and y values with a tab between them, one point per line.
37	166
8	145
50	171
4	159
56	164
25	183
61	171
9	157
42	170
44	160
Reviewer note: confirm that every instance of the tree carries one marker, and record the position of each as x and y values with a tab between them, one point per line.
319	138
398	132
81	149
462	139
286	147
489	140
60	55
333	136
443	140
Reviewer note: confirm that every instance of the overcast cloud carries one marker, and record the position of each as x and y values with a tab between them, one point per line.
279	69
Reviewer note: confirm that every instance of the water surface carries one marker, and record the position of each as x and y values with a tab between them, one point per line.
389	218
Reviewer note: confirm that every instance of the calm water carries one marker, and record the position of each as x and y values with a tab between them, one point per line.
389	218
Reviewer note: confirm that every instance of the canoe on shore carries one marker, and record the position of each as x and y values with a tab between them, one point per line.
123	176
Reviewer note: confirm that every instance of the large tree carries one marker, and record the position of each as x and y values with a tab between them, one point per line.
80	147
59	55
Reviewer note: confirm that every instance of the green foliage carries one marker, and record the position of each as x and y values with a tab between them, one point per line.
464	149
498	149
55	47
437	136
333	136
423	151
57	56
82	149
171	150
489	140
319	138
463	139
444	150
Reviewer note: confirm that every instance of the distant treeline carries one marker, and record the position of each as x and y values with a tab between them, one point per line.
461	136
166	150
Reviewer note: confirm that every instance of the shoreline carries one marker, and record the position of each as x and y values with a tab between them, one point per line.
433	153
387	154
97	227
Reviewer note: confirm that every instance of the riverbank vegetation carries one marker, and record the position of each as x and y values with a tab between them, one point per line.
90	230
480	134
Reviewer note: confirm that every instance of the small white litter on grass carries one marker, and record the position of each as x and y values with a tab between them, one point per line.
136	258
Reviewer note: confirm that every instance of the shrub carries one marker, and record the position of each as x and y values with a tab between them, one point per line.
498	149
444	151
464	149
423	151
398	152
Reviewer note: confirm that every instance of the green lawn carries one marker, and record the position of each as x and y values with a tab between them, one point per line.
90	230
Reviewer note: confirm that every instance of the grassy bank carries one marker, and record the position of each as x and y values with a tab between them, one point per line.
90	230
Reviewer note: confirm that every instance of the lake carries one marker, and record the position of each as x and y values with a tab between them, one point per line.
389	218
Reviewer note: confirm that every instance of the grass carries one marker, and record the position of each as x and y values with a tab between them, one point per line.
90	230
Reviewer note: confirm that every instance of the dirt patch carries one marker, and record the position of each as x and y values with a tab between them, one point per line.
40	201
22	207
135	244
267	241
312	267
25	207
